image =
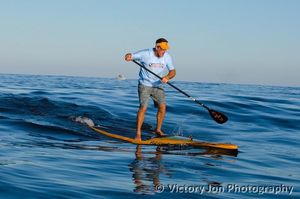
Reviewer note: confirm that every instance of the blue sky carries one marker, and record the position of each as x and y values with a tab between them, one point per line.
230	41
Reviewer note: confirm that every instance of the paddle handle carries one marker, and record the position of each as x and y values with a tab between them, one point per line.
190	97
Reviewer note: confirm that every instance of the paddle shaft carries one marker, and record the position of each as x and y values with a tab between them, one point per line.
181	91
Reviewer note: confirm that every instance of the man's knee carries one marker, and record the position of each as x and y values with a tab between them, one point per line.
162	107
142	108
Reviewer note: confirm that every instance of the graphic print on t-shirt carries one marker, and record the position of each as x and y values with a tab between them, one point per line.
157	65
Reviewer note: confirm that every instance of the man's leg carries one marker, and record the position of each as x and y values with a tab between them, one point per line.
161	112
158	95
139	122
144	94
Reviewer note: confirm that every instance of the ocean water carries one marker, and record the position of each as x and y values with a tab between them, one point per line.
44	153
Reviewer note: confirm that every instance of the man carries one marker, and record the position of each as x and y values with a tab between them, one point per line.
157	60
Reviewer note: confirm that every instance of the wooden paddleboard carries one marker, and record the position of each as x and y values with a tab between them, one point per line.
169	141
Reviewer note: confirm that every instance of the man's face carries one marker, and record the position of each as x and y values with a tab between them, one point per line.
159	52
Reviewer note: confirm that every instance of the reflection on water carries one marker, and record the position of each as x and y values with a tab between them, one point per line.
146	170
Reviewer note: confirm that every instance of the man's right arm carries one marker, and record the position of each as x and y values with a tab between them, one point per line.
128	57
135	56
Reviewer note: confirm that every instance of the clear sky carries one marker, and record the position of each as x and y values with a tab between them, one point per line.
226	41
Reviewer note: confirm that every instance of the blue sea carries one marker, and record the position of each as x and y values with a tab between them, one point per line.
44	153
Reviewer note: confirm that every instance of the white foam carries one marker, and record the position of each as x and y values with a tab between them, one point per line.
85	120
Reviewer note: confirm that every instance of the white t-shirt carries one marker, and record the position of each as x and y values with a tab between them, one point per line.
156	64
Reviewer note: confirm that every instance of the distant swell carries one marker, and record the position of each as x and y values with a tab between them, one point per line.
42	114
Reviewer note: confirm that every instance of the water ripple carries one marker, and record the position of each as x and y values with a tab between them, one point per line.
45	154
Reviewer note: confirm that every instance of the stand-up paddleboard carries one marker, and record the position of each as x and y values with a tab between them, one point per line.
173	140
176	140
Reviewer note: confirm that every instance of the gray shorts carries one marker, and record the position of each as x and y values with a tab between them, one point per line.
156	93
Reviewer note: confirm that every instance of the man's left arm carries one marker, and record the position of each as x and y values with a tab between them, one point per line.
169	76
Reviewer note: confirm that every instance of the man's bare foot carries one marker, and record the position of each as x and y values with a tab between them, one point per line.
138	138
159	133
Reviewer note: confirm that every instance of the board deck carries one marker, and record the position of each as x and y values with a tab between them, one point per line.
169	141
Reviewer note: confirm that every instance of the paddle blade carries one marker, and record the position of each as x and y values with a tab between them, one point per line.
217	116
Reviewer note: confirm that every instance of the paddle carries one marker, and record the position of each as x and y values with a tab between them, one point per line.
217	116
